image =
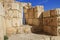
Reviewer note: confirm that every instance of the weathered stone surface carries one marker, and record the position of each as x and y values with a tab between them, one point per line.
2	27
29	37
55	38
2	11
24	29
18	30
10	31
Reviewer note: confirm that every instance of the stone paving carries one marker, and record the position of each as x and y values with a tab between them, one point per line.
29	37
32	36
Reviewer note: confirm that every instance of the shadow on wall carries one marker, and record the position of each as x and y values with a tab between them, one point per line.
37	30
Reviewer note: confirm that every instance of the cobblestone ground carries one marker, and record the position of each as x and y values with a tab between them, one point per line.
29	37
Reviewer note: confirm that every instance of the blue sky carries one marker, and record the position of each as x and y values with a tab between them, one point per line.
48	4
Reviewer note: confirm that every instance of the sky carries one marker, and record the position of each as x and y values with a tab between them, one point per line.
48	4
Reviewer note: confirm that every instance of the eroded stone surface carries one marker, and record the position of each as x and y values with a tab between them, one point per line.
29	37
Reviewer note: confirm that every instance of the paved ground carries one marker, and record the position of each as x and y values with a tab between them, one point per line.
29	37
